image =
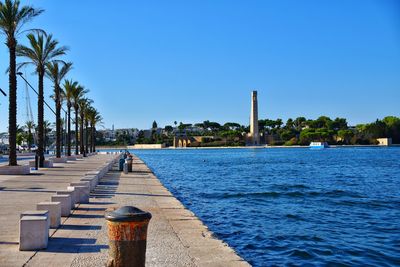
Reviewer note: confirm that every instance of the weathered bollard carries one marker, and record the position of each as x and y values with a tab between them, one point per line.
127	233
129	160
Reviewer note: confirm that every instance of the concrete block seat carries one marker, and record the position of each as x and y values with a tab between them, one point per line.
15	170
41	213
71	158
92	181
93	173
46	164
74	196
84	191
54	209
33	233
65	201
60	160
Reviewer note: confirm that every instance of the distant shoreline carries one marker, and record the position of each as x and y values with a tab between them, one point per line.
238	147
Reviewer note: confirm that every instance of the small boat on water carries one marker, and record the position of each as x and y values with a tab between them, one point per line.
318	145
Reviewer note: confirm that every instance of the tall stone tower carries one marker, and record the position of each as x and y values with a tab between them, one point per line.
254	134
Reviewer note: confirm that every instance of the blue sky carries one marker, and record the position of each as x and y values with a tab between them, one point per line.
195	60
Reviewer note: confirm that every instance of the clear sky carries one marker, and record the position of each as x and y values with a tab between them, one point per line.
195	60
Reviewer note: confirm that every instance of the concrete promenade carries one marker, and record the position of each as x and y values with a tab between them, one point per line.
176	237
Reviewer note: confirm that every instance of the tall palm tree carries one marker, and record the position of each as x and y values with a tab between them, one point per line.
94	119
43	49
84	104
13	18
78	94
56	74
88	110
68	94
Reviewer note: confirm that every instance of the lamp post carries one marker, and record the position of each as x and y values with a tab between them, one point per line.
1	90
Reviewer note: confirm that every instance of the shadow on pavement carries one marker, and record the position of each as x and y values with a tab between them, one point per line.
73	245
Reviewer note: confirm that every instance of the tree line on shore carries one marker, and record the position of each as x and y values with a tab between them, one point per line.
298	131
45	55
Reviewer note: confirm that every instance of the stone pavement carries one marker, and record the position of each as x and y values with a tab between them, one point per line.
176	236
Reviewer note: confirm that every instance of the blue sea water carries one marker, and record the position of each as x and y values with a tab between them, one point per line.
293	207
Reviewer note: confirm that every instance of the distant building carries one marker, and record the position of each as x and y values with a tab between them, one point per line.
384	141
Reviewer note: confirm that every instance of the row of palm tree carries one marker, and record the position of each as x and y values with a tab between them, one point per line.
44	53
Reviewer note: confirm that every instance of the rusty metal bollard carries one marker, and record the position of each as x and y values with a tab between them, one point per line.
127	233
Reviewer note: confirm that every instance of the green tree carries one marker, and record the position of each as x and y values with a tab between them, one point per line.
78	93
43	50
29	125
84	103
13	17
56	74
345	135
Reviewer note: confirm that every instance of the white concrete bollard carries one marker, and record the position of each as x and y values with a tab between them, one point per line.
54	209
33	233
84	191
41	213
65	201
91	180
71	193
75	195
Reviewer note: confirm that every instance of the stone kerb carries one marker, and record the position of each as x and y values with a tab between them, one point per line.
54	209
33	233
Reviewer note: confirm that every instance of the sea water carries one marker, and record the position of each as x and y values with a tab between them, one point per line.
330	207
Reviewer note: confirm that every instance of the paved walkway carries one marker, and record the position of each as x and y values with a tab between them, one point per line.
176	237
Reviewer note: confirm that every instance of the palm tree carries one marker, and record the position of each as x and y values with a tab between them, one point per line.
46	129
78	94
56	74
94	119
88	110
84	104
29	125
68	94
43	50
13	17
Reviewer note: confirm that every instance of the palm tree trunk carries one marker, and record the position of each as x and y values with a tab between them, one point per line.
69	130
58	122
76	132
12	108
40	122
86	136
94	138
91	138
82	140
